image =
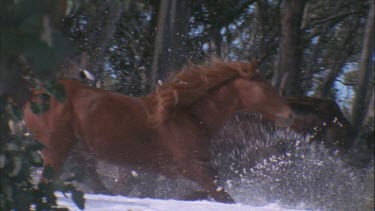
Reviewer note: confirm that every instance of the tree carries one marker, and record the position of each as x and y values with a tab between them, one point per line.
286	77
160	45
29	34
366	69
170	46
344	51
91	27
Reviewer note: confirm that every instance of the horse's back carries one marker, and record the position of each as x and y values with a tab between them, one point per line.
104	121
92	106
113	126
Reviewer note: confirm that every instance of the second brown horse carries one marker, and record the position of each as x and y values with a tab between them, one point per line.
166	132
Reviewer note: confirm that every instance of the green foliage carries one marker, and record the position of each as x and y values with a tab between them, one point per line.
18	156
31	45
42	102
28	30
56	90
42	105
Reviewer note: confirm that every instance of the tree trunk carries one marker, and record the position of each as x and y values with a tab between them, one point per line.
370	113
286	76
264	40
169	51
365	71
215	43
179	16
159	45
140	77
102	33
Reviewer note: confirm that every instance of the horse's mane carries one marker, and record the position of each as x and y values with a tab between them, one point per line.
194	82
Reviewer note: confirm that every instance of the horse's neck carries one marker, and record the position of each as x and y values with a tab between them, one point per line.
213	110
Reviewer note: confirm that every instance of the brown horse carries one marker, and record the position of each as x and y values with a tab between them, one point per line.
166	132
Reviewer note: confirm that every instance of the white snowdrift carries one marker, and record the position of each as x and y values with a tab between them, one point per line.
120	203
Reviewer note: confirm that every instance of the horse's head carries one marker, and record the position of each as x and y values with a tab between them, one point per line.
258	95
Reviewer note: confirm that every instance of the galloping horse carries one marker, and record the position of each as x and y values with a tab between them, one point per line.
166	132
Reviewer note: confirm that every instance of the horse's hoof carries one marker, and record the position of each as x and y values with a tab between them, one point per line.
228	201
223	197
196	196
57	208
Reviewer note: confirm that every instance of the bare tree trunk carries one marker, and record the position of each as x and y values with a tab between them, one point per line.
102	33
140	77
159	46
179	16
264	39
169	51
365	71
215	43
286	76
370	107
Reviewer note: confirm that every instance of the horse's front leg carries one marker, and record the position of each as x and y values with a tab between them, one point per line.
206	176
57	145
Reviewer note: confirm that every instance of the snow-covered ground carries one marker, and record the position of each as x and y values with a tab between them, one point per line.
120	203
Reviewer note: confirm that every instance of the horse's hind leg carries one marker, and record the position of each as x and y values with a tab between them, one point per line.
88	167
206	176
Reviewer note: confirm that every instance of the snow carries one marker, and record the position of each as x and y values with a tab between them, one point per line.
121	203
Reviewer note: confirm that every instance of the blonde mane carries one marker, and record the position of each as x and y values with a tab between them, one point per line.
194	82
